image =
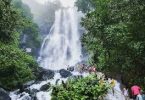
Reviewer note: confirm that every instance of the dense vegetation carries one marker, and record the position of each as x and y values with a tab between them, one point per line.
85	5
16	67
30	36
115	38
89	88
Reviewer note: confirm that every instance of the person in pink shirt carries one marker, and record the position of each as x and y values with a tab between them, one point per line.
135	90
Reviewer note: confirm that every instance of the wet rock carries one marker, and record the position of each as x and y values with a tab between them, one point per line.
76	77
44	74
56	83
27	90
25	97
21	87
71	69
28	84
64	73
45	87
31	91
37	82
4	95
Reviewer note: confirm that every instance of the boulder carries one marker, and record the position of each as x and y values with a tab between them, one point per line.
21	87
4	95
29	83
45	87
31	91
44	74
25	96
65	73
71	69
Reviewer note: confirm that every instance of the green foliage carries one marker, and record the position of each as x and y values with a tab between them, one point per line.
85	5
23	8
115	37
30	36
15	66
88	88
9	21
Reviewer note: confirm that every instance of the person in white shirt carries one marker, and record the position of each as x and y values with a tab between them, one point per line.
125	93
139	96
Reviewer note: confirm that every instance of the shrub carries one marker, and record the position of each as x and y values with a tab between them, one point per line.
89	88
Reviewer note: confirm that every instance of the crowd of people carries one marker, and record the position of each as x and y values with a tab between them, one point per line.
84	68
136	93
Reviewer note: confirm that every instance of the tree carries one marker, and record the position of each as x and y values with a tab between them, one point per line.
15	65
85	5
30	35
9	21
115	37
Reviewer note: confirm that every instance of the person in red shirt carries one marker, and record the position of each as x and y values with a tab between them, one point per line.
92	69
135	90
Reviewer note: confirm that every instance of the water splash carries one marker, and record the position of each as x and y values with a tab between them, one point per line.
62	46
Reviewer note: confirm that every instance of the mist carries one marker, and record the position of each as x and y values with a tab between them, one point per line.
44	12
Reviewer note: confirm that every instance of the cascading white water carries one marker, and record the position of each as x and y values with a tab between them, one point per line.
62	46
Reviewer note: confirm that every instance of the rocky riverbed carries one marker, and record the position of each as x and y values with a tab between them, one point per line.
41	88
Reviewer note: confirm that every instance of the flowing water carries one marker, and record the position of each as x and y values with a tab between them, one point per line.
62	46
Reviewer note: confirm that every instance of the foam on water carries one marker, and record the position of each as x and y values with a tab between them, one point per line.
44	95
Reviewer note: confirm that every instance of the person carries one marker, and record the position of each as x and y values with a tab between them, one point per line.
143	95
92	69
113	83
139	96
81	68
135	90
125	93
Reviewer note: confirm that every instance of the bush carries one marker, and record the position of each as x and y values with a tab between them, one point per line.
89	88
15	66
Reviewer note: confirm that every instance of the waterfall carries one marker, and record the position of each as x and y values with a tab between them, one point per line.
62	46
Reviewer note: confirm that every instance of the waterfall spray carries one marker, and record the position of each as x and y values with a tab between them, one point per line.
62	46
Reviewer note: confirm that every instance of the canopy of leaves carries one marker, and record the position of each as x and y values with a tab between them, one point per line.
30	36
85	5
15	67
115	37
9	21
